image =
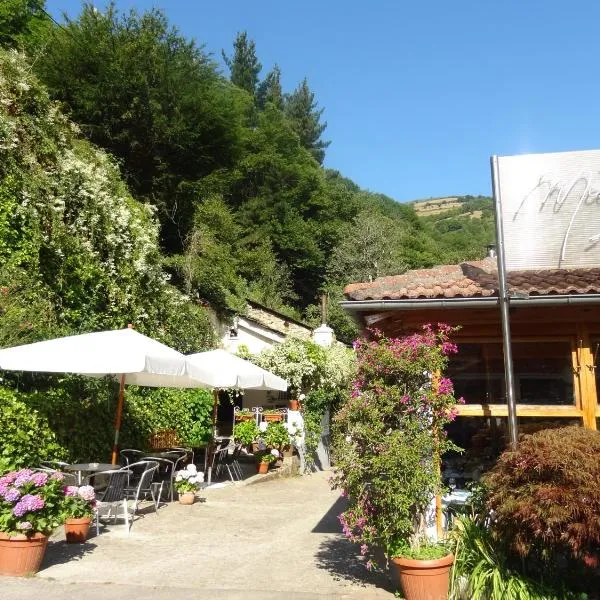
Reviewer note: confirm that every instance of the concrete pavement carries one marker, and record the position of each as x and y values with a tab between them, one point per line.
276	540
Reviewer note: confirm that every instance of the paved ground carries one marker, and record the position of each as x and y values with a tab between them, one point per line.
274	540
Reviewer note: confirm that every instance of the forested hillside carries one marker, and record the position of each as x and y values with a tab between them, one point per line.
228	166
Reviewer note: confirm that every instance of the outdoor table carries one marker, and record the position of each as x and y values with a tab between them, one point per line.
92	467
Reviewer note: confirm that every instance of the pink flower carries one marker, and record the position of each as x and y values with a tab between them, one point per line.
39	479
57	475
71	490
87	492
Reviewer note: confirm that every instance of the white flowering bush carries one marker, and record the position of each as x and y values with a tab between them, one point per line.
188	479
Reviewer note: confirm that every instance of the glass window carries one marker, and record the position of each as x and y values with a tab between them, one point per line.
543	373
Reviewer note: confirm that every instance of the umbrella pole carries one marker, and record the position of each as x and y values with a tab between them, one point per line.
115	450
211	447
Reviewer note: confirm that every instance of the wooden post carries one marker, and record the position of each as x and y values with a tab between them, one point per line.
589	398
115	450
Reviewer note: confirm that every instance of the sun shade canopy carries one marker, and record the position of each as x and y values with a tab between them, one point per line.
220	369
142	360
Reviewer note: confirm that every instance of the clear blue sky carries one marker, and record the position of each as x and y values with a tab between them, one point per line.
418	95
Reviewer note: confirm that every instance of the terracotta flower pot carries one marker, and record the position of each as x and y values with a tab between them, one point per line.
76	530
21	554
294	405
187	498
273	417
424	579
244	417
262	467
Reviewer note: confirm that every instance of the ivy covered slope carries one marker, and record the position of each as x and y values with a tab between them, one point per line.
77	252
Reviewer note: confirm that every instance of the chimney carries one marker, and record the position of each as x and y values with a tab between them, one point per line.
491	251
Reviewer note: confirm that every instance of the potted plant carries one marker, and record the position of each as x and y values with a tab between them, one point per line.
245	432
388	440
187	483
30	509
78	510
264	458
270	415
276	436
244	414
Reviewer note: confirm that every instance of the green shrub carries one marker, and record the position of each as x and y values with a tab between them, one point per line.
276	435
483	569
546	501
245	432
26	438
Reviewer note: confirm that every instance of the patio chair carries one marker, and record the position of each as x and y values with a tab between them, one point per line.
68	478
139	492
233	461
164	476
113	495
130	455
138	470
221	461
189	453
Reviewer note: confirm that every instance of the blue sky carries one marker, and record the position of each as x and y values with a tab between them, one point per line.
418	95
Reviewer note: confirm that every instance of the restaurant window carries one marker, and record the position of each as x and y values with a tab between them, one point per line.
543	373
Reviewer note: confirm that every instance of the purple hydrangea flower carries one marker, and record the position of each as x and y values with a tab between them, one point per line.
8	478
23	477
28	503
57	475
3	489
12	494
39	479
71	490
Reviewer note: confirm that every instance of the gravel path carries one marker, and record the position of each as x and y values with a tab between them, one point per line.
274	540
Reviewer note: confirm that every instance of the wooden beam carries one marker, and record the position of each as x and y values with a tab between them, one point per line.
523	410
588	378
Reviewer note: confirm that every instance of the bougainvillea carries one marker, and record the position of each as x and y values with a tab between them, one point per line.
388	437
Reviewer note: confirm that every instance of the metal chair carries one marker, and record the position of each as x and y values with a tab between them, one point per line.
68	478
113	495
165	474
144	486
130	455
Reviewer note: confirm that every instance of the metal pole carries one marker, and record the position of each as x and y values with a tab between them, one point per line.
115	450
504	314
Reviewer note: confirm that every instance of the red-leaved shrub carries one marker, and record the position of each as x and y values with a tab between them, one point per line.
545	497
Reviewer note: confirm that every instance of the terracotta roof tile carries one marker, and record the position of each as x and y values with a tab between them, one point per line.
475	279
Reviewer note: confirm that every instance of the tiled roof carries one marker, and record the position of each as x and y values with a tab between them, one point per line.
476	279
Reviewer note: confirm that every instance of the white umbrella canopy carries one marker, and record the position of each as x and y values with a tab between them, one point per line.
220	369
124	353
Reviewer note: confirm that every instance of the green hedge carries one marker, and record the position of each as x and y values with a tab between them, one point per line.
73	417
25	436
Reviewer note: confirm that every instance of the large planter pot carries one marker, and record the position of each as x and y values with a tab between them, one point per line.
76	530
187	498
424	579
244	417
294	405
273	417
262	467
21	554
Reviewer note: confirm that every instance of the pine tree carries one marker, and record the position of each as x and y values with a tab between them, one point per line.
243	65
302	110
269	90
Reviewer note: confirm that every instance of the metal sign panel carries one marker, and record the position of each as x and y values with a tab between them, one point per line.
550	208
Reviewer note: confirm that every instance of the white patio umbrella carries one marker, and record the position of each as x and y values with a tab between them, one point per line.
219	369
124	353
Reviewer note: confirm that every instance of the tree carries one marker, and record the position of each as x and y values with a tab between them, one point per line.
301	109
152	98
243	66
371	248
20	19
269	90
